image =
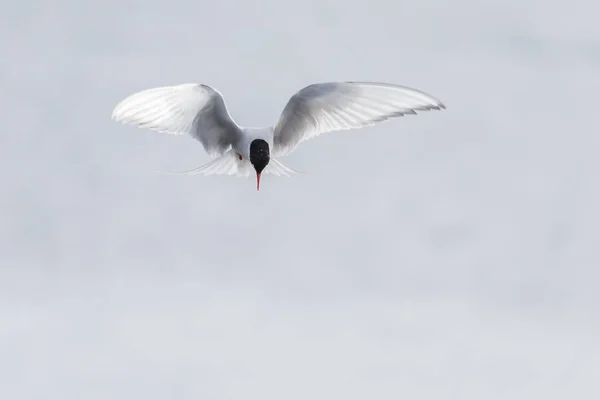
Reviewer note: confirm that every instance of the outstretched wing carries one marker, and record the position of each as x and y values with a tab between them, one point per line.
332	106
189	108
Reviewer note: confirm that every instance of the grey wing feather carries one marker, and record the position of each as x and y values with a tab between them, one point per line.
332	106
190	108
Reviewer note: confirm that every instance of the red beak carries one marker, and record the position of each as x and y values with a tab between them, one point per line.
257	181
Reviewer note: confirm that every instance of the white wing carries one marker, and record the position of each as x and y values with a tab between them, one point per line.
332	106
190	108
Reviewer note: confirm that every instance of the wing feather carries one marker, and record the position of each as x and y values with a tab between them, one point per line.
190	108
333	106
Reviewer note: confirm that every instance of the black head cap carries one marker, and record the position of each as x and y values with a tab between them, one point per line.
259	154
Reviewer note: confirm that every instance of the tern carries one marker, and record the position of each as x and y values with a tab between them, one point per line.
199	110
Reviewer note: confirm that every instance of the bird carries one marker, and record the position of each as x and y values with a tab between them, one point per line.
199	110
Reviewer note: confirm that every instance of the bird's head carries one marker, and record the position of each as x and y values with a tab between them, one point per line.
259	157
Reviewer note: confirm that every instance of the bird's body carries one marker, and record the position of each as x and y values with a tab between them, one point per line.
200	111
248	135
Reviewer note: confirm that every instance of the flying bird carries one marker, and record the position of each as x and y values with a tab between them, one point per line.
200	111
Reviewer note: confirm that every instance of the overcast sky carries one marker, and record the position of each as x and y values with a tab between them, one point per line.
452	255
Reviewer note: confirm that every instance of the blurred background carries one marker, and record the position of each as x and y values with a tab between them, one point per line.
451	255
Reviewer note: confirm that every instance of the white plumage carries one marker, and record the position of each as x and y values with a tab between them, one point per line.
200	111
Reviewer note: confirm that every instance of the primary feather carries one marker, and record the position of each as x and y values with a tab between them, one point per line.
194	109
332	106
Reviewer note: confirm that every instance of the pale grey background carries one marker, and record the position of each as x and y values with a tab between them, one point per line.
446	256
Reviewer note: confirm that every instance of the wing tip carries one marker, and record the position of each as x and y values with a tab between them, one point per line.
438	103
115	115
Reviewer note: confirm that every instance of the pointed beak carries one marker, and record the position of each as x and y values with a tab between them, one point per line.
258	181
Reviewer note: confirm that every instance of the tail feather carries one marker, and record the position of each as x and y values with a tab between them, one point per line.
222	165
230	164
277	168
